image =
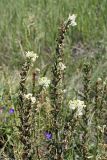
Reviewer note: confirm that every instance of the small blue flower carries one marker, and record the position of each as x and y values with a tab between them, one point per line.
48	135
11	110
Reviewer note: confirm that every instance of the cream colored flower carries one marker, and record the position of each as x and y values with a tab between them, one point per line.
77	105
31	55
99	79
62	66
44	81
101	129
28	96
33	100
72	104
104	83
72	18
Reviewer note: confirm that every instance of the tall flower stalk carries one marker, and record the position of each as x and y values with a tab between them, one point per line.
57	87
96	114
100	93
86	85
25	100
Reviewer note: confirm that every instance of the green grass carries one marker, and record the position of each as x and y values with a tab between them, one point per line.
33	25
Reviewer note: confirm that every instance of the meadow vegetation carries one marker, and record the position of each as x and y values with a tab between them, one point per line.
53	86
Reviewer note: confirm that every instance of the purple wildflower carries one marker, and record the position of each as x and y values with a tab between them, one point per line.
11	110
48	135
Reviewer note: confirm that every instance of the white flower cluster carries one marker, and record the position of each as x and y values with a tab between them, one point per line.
62	66
30	97
78	106
44	81
101	129
72	18
31	55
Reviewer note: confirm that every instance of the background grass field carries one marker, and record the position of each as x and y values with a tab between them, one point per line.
33	25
